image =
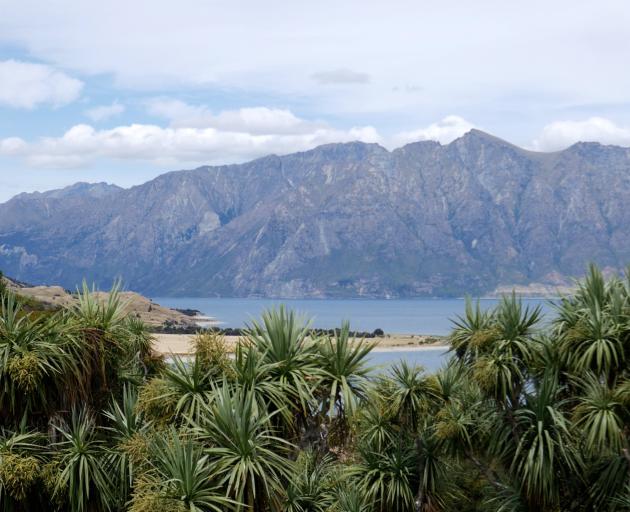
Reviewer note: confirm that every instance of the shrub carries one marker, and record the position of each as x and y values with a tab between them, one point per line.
18	474
212	352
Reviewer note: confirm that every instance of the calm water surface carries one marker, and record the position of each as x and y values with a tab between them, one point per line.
403	316
431	358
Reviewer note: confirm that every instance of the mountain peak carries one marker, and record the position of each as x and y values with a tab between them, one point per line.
355	149
79	189
586	145
99	189
478	136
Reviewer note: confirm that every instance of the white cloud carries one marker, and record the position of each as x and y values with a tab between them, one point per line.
177	110
26	85
444	131
226	137
104	112
240	135
83	144
462	58
12	146
561	134
256	120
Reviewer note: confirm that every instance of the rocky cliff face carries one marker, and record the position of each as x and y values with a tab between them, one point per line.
340	220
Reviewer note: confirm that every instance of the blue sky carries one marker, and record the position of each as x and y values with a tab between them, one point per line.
123	91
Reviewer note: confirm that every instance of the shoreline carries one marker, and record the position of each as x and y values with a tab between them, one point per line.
413	348
180	344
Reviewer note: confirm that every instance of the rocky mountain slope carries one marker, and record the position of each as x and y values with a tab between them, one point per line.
340	220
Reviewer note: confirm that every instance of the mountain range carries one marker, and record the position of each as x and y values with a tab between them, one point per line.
342	220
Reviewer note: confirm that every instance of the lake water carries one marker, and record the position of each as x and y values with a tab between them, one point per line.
431	358
401	316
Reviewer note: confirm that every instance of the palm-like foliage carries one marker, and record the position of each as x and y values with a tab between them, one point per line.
500	376
312	485
344	371
592	326
183	478
136	353
83	480
599	417
249	459
282	338
455	424
33	363
451	381
388	478
472	331
545	449
507	499
351	498
376	423
608	479
124	417
623	500
433	477
252	373
410	392
547	356
128	432
497	347
95	313
187	384
515	322
595	343
110	348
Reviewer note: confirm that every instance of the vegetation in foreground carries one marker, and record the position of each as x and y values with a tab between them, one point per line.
523	417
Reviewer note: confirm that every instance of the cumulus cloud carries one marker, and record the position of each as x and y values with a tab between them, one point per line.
12	146
27	85
225	137
83	144
561	134
340	76
104	112
444	131
256	120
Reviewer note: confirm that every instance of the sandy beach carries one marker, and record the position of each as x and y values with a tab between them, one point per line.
181	344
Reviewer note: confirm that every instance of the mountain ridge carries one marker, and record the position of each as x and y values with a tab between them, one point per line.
472	132
340	220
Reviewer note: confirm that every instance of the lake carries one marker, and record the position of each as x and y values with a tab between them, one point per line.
379	360
431	358
401	316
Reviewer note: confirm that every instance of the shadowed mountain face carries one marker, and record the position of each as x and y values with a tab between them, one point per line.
340	220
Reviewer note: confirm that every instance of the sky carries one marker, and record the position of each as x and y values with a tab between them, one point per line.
122	91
